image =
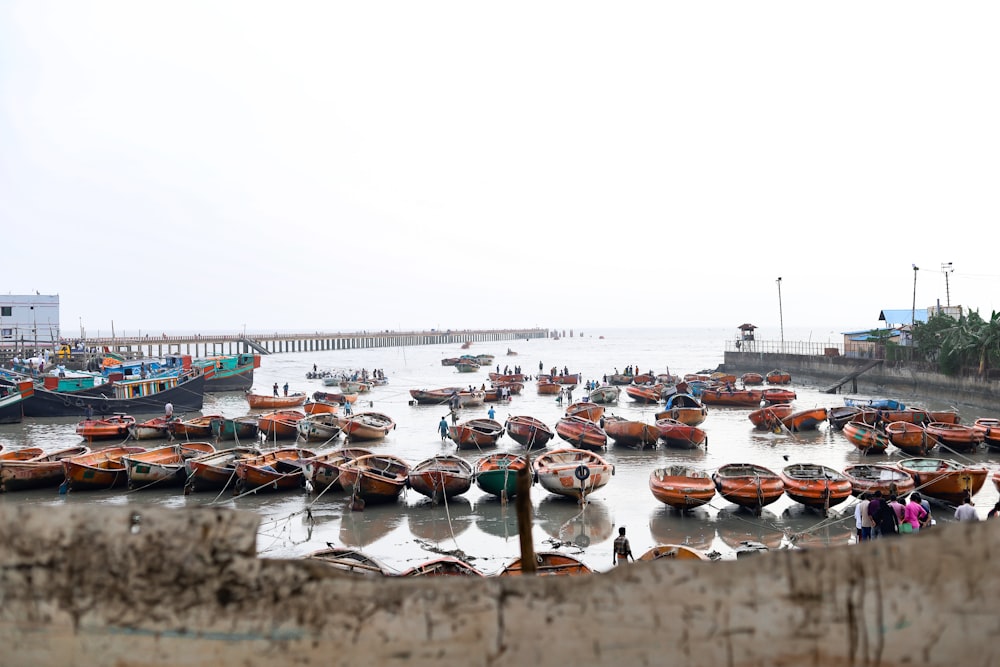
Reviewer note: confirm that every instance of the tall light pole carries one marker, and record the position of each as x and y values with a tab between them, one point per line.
947	268
913	311
781	316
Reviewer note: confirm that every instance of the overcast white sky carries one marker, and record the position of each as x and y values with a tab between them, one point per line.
369	165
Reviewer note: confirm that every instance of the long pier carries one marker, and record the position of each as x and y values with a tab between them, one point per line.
199	345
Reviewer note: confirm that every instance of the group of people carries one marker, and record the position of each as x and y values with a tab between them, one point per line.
275	388
876	515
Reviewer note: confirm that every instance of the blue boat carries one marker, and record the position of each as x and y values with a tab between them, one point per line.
877	403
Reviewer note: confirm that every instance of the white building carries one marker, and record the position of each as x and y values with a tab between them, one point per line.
29	320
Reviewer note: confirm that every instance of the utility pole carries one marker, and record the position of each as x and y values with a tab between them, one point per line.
781	317
913	311
946	268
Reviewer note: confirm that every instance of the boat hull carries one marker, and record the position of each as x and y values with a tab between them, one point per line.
188	396
681	487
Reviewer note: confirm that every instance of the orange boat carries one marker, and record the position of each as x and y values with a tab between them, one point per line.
587	410
990	430
476	433
101	469
198	428
581	433
311	407
738	398
441	476
776	395
682	487
680	435
944	479
778	377
443	566
528	431
17	473
805	420
673	552
684	408
751	378
871	477
113	428
366	426
956	437
23	454
816	486
869	439
323	470
645	393
334	397
944	416
547	387
910	438
278	470
748	485
548	563
884	416
770	418
631	433
375	478
270	402
281	424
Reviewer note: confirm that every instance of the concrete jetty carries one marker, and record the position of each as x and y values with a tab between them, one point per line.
129	586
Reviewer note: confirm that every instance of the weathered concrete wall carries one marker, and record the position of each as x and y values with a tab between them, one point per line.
899	378
112	586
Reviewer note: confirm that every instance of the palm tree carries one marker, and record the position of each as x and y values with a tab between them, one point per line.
974	338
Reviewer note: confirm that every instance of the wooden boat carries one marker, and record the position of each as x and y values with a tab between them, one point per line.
112	428
685	408
320	427
776	395
575	473
280	424
375	477
197	428
989	428
778	377
476	433
441	396
350	561
869	439
508	377
631	432
581	433
604	394
876	416
645	393
739	398
497	391
150	429
163	466
311	407
751	378
450	361
682	487
680	435
41	470
441	476
323	470
467	367
748	485
216	471
186	392
548	388
956	437
528	431
238	428
271	402
587	410
275	470
12	396
944	479
366	426
496	474
872	477
334	397
100	469
23	454
548	563
442	566
875	403
233	372
814	485
944	416
769	418
804	420
355	386
673	552
910	438
839	415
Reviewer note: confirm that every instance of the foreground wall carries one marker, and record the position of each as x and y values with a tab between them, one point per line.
114	586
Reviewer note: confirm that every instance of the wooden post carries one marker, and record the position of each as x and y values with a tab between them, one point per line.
524	521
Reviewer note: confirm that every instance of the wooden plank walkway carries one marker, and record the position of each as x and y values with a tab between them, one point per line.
852	377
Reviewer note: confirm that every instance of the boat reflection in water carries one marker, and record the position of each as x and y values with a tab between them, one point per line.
362	529
693	528
496	518
439	522
572	524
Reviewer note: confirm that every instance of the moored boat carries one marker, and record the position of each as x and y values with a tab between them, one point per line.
682	487
351	561
645	393
280	424
548	563
604	394
989	428
769	418
814	485
944	479
312	407
631	432
13	393
162	466
587	410
185	392
442	566
476	433
323	470
276	470
680	435
866	437
271	402
548	388
955	437
778	377
374	478
115	427
442	476
872	477
751	378
320	427
909	437
582	433
196	428
496	474
575	473
366	426
736	398
99	469
777	395
685	408
839	415
216	471
528	431
673	552
238	428
804	420
150	429
41	470
748	485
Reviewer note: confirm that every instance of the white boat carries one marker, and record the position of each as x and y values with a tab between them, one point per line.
575	473
318	427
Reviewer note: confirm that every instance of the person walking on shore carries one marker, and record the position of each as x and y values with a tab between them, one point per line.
443	428
622	549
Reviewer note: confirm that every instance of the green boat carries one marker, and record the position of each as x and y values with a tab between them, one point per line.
496	474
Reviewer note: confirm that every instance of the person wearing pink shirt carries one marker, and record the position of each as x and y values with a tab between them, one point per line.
913	515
